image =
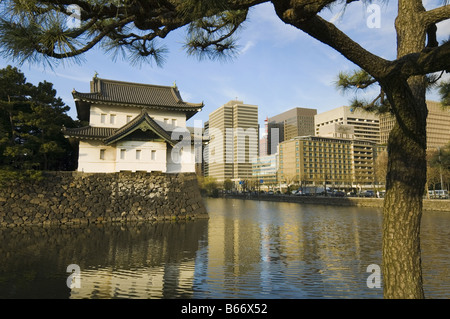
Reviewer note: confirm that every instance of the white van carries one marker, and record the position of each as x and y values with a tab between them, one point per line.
439	193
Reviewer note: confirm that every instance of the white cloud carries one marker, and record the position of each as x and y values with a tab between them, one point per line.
247	47
74	76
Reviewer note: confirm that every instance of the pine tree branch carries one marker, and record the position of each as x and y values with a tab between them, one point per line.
422	63
437	15
130	25
329	34
50	51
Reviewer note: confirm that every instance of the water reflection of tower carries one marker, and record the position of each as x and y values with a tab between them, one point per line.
266	284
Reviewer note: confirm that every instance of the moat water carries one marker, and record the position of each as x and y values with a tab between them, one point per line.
247	249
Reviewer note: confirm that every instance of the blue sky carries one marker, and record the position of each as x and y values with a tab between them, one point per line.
279	67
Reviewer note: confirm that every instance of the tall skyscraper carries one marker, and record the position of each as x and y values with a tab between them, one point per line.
348	122
234	141
292	123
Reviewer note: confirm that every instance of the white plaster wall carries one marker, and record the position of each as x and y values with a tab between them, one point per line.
145	162
89	157
90	162
181	162
163	118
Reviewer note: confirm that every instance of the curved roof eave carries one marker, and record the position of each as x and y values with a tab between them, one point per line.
141	121
184	106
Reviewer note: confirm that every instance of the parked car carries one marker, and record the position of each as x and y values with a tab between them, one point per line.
339	194
438	194
367	193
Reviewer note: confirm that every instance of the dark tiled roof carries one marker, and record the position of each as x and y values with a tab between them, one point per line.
90	132
142	121
136	94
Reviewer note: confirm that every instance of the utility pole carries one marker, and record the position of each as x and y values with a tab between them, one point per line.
440	166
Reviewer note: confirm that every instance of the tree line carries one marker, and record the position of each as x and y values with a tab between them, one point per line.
31	119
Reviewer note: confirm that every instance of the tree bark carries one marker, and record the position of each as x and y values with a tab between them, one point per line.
405	182
406	175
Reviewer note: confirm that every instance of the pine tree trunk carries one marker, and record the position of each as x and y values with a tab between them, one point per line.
406	175
405	183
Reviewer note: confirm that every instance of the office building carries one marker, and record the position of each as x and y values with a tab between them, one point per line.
233	132
438	123
336	162
348	122
205	155
264	139
265	170
295	122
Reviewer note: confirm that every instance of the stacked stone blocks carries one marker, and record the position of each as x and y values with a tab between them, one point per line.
76	197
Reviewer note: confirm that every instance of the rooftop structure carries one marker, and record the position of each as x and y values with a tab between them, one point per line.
348	122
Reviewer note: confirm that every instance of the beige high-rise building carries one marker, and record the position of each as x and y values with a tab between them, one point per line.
292	123
316	160
363	162
438	123
348	122
234	141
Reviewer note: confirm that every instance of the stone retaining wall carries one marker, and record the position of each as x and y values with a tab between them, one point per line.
75	197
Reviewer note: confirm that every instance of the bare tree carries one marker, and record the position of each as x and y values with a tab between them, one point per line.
381	167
